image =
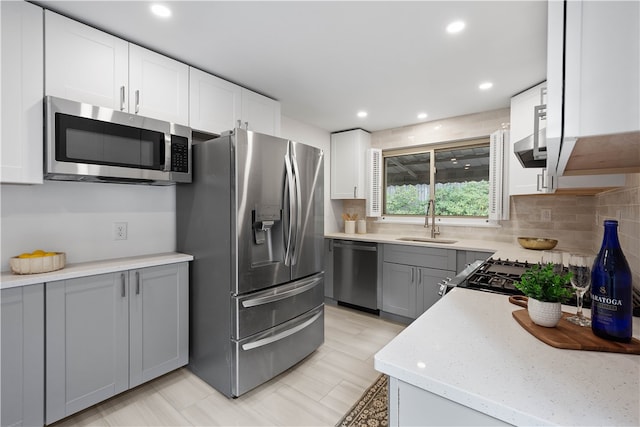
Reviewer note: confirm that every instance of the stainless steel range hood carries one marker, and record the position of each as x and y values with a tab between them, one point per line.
532	150
526	152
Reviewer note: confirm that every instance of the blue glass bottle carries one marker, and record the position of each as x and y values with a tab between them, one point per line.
611	289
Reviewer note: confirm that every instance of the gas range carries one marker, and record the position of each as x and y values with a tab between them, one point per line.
499	276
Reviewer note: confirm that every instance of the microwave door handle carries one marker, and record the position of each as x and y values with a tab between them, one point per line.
167	153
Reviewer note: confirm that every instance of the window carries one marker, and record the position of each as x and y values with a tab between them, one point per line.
459	171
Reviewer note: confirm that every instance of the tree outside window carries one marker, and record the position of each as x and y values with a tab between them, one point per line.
460	173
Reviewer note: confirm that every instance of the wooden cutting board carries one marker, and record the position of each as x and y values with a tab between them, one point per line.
574	337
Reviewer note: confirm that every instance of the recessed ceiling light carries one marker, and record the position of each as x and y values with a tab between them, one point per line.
161	10
485	85
455	27
362	114
422	116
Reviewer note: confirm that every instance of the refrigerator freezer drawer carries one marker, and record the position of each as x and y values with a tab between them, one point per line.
263	310
261	357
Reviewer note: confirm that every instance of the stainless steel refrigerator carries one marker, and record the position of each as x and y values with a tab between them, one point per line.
253	220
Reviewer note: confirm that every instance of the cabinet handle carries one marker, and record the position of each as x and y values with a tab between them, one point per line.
355	191
121	98
540	185
412	272
137	283
239	124
123	293
246	125
137	101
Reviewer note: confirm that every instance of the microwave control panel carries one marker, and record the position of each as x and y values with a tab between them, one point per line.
179	154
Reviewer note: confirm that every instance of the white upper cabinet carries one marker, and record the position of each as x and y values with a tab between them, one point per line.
158	86
602	70
22	90
260	114
594	90
88	65
84	64
215	104
348	171
524	180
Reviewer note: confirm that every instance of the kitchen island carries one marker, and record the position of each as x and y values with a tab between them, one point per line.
468	360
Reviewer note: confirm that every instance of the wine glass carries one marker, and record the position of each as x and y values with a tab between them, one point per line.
555	258
580	268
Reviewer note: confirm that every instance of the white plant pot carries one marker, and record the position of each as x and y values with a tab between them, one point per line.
546	314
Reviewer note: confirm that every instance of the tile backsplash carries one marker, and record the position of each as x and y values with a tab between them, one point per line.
575	221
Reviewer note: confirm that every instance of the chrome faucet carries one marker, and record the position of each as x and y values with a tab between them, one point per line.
431	206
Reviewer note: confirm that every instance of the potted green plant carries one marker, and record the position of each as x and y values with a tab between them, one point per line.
546	291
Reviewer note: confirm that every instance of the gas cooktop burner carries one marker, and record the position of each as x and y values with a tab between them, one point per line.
499	276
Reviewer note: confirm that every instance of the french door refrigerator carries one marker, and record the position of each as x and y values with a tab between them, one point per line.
253	220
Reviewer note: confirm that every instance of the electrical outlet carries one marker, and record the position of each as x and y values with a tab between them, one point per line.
545	215
119	231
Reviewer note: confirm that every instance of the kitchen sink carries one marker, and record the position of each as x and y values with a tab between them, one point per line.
426	240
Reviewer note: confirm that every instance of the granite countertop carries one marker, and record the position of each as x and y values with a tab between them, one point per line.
503	250
469	349
70	271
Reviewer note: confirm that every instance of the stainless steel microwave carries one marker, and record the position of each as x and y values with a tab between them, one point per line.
89	143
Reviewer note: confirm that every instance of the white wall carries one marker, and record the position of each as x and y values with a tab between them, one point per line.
77	218
320	138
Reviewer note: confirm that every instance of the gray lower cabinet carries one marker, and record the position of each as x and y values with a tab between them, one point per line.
110	332
22	356
411	277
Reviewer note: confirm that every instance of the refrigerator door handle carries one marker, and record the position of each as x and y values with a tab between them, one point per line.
281	335
290	186
305	286
298	206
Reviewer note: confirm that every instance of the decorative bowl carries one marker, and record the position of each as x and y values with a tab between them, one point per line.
537	243
43	264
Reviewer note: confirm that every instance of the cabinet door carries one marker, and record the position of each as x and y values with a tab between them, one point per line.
215	104
85	64
22	334
159	304
600	97
523	180
22	57
399	289
428	287
158	86
348	153
261	113
87	342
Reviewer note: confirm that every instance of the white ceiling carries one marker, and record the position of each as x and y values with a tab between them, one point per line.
326	60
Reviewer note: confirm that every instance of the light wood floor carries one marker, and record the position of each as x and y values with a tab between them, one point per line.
316	392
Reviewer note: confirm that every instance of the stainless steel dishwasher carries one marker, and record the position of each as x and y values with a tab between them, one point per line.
355	274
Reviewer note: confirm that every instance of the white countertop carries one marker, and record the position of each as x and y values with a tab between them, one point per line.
468	348
70	271
512	251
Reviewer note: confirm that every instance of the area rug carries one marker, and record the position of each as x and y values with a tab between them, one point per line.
371	410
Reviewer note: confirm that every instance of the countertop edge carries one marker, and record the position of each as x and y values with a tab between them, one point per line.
71	271
502	250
